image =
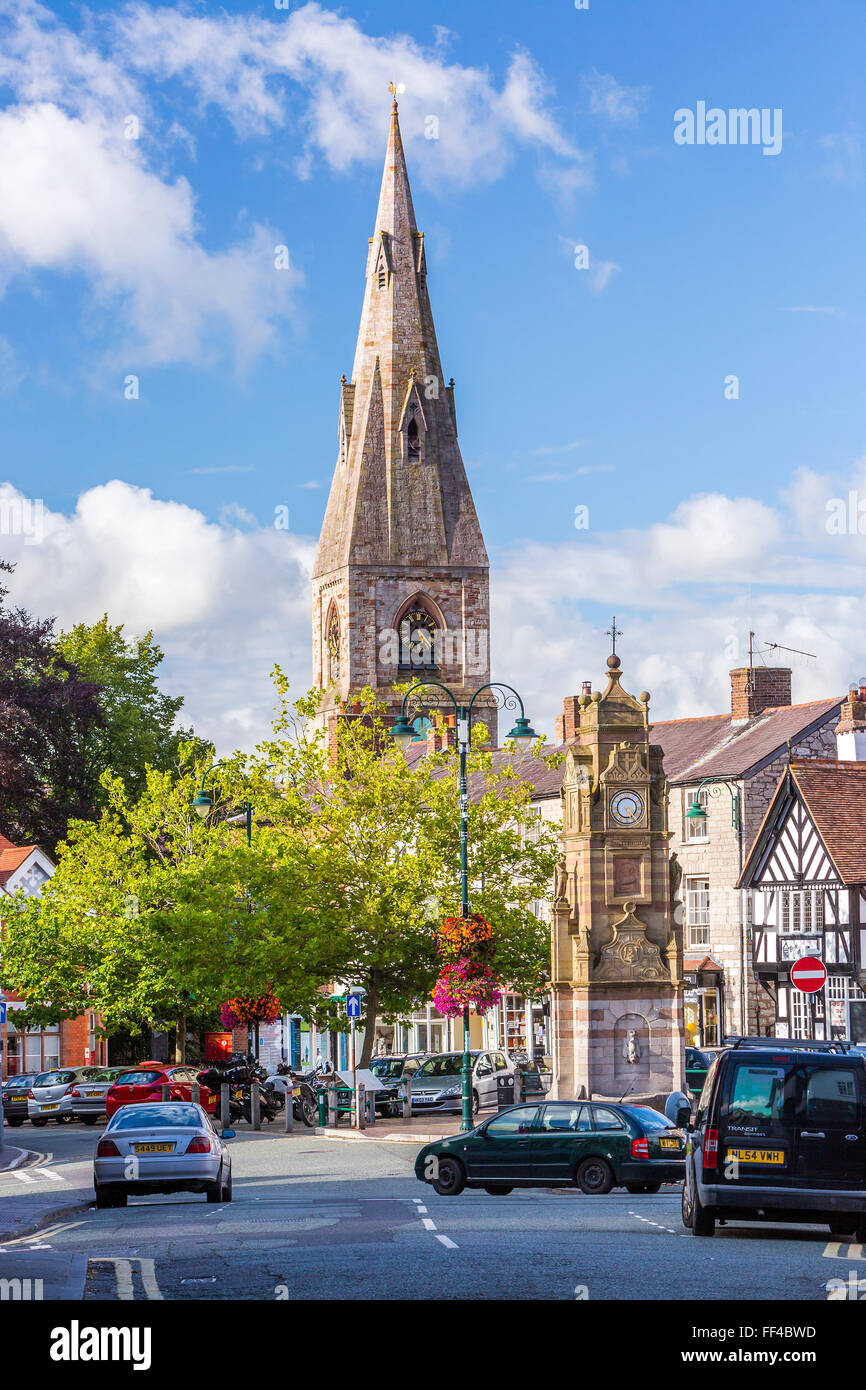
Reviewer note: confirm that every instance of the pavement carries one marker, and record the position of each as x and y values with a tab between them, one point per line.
313	1219
420	1129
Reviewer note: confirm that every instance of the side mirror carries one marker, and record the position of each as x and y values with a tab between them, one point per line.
684	1117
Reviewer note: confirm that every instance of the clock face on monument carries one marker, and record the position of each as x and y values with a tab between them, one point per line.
627	808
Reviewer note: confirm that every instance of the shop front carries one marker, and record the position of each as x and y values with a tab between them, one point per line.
703	1001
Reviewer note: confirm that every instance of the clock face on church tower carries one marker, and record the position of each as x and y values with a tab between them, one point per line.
627	808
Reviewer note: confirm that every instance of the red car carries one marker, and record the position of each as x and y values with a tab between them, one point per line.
145	1083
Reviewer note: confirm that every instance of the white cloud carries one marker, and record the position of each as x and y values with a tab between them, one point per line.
78	197
226	601
318	69
617	103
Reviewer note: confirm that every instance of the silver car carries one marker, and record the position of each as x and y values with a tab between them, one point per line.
438	1085
50	1096
87	1096
163	1147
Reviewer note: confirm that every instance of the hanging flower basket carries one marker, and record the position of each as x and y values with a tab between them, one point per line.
245	1010
461	937
465	984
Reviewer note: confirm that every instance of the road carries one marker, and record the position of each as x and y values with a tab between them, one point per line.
314	1218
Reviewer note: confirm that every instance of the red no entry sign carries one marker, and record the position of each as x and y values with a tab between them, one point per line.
809	974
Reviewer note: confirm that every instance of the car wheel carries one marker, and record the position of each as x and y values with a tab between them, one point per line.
63	1119
214	1190
120	1197
595	1177
227	1190
498	1189
860	1230
38	1124
476	1103
104	1198
89	1119
700	1220
13	1124
450	1178
842	1225
638	1188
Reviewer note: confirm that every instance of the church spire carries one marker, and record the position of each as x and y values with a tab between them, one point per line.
401	550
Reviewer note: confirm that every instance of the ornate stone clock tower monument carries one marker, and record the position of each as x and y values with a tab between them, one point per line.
617	990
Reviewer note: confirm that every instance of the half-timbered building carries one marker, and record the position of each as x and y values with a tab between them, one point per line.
806	878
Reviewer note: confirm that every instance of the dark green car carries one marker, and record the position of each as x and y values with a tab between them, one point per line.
697	1066
558	1144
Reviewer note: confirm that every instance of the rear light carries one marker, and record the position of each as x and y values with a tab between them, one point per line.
106	1148
640	1148
199	1145
711	1148
30	1095
72	1091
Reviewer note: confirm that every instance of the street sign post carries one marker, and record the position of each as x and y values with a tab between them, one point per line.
353	1012
809	974
353	1006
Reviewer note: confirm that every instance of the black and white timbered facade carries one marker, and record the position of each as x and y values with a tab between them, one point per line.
805	876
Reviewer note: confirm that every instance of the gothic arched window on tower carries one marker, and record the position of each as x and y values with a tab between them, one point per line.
333	642
413	440
419	639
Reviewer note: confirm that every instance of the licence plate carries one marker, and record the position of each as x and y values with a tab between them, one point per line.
669	1143
153	1148
55	1105
775	1156
93	1093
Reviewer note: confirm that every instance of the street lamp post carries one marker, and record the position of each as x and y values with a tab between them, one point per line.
696	811
522	735
202	804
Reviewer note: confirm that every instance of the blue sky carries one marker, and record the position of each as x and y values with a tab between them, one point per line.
602	387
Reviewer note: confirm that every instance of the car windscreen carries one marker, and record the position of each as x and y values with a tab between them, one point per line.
169	1116
139	1078
54	1078
648	1118
19	1082
442	1066
392	1068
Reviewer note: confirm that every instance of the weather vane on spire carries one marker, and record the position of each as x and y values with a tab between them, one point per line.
613	632
396	91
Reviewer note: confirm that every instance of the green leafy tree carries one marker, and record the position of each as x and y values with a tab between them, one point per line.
388	844
137	729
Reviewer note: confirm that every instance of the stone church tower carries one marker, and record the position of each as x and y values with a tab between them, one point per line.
616	970
400	581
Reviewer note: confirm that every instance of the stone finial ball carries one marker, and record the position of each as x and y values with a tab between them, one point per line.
614	662
595	697
583	701
644	697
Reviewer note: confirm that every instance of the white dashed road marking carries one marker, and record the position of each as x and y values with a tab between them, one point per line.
449	1244
833	1251
669	1229
428	1224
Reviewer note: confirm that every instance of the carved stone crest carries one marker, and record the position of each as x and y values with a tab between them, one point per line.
629	955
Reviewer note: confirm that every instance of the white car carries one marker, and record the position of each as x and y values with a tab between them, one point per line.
50	1095
169	1146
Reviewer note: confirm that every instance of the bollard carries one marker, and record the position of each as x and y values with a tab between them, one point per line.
332	1104
371	1108
290	1111
407	1098
322	1100
361	1106
195	1093
225	1108
255	1105
166	1091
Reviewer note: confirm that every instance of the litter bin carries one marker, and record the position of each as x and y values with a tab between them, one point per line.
504	1091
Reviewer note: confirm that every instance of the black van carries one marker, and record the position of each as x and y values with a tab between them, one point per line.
778	1134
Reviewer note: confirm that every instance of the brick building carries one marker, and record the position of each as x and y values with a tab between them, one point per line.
26	868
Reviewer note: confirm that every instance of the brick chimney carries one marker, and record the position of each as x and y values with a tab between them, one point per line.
441	733
851	729
756	688
567	723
